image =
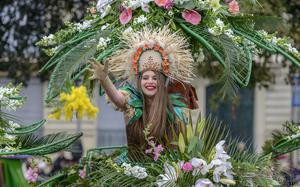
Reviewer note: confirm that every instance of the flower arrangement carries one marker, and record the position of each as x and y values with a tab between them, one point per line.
229	36
197	157
76	102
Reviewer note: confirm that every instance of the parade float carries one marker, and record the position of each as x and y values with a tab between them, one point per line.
201	155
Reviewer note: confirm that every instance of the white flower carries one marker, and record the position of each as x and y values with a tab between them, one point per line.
103	6
203	183
199	165
13	124
106	11
9	137
212	31
134	4
220	23
49	39
263	32
84	25
140	19
104	26
136	171
102	44
170	176
274	40
220	164
170	13
229	33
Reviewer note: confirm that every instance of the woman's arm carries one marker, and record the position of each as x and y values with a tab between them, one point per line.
100	72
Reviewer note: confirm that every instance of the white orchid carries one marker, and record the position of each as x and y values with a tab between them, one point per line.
170	176
203	183
199	165
220	164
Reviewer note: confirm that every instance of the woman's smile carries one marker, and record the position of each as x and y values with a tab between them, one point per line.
149	83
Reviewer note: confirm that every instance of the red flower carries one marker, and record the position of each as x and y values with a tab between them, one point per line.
191	16
125	16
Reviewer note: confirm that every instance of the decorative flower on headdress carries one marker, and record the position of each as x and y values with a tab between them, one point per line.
153	49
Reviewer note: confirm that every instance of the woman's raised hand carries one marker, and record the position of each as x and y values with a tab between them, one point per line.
99	71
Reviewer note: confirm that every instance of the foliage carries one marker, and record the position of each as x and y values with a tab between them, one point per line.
228	37
283	141
17	139
196	155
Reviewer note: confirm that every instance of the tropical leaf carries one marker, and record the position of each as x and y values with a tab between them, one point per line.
284	141
27	128
34	145
212	133
235	59
69	63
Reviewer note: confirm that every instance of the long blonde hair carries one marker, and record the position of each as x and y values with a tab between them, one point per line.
157	115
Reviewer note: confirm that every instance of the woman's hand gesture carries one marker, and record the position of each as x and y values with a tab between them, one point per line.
99	71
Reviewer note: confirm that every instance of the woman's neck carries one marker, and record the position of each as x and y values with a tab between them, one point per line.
148	102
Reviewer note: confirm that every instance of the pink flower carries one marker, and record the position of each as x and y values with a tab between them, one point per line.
233	7
125	16
81	173
191	16
32	175
187	167
157	150
148	151
167	4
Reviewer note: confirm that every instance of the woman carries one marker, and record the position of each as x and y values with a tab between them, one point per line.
149	104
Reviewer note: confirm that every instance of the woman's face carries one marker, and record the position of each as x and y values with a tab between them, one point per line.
149	83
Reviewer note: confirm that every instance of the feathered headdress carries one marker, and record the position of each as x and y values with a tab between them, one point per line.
153	49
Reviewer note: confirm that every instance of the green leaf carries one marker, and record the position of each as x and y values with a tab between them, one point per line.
193	144
181	143
69	63
28	128
189	133
34	145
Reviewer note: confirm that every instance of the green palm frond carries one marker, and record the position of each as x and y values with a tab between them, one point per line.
213	132
66	47
252	35
236	60
33	145
29	128
284	141
257	22
70	63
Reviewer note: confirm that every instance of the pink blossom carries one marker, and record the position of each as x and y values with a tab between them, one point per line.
187	167
233	7
167	4
81	173
191	16
125	16
148	151
157	150
32	175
